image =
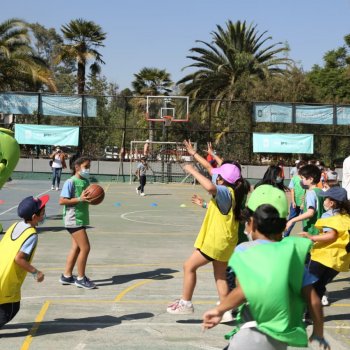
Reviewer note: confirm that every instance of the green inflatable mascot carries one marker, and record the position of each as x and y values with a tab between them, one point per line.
9	156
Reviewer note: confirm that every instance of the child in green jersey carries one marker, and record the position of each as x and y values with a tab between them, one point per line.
313	204
75	199
272	282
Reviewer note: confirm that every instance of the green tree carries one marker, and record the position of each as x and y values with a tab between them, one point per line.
20	67
332	81
152	82
84	38
233	62
46	44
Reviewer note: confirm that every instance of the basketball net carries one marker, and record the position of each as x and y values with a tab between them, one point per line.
167	120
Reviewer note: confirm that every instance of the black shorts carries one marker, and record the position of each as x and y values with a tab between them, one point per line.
72	230
8	312
205	255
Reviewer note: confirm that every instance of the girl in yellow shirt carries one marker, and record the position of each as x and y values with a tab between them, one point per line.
218	235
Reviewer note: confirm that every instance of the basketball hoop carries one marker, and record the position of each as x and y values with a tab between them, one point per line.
167	120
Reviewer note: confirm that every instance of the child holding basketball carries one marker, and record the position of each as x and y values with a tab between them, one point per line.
17	249
75	199
218	235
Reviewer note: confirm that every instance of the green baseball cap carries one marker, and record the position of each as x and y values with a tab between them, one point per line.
267	194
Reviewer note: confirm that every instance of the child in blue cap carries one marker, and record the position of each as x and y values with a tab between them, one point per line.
17	249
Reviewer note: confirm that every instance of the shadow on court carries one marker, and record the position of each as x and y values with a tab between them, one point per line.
339	317
66	325
158	274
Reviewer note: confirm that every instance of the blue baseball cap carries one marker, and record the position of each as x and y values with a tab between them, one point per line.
31	205
337	193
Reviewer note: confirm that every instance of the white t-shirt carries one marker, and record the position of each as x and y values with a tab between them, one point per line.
346	175
57	163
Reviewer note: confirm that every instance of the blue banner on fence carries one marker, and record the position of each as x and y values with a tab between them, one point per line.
343	115
28	134
50	105
305	114
68	106
275	113
283	143
19	103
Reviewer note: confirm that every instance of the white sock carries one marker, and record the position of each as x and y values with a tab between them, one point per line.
67	276
80	278
186	302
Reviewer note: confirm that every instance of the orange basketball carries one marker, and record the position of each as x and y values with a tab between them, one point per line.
96	193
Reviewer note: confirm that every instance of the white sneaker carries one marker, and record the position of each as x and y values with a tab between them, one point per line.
227	317
324	300
57	188
137	191
52	187
142	194
179	308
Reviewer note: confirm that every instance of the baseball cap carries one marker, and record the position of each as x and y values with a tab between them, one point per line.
31	205
337	193
267	194
229	172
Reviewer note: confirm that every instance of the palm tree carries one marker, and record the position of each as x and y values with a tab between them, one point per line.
84	38
151	82
236	58
20	67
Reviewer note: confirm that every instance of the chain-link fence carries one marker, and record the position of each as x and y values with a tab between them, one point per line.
229	125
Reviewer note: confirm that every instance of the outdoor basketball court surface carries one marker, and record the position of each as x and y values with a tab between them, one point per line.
138	246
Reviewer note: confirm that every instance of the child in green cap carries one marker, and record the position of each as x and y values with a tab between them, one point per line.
273	285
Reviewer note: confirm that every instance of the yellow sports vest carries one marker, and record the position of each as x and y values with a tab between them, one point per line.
218	235
11	275
335	255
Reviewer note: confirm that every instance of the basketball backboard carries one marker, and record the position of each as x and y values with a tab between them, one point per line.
159	108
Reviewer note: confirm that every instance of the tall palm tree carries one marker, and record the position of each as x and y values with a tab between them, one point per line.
152	82
20	67
84	38
236	58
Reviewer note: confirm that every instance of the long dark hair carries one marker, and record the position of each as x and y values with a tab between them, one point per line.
241	188
79	162
266	219
270	177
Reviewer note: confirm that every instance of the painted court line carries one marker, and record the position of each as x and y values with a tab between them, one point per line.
127	290
28	340
38	195
124	217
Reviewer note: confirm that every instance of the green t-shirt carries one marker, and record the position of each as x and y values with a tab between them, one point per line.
299	192
313	199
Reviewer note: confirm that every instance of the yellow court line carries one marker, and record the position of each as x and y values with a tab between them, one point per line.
107	187
127	290
29	338
340	305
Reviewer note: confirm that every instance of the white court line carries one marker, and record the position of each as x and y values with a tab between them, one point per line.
123	216
38	195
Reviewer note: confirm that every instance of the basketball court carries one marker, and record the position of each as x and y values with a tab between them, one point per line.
138	246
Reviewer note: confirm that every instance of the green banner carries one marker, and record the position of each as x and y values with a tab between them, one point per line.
27	134
283	143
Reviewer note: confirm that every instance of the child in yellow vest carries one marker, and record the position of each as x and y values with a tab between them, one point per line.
218	235
17	249
331	251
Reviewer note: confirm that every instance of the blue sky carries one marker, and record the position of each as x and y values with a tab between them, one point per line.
159	34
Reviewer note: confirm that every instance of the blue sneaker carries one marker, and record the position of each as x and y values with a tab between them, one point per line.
85	283
67	280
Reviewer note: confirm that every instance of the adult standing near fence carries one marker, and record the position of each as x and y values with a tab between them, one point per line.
346	175
58	163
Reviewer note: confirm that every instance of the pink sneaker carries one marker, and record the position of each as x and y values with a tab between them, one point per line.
179	308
